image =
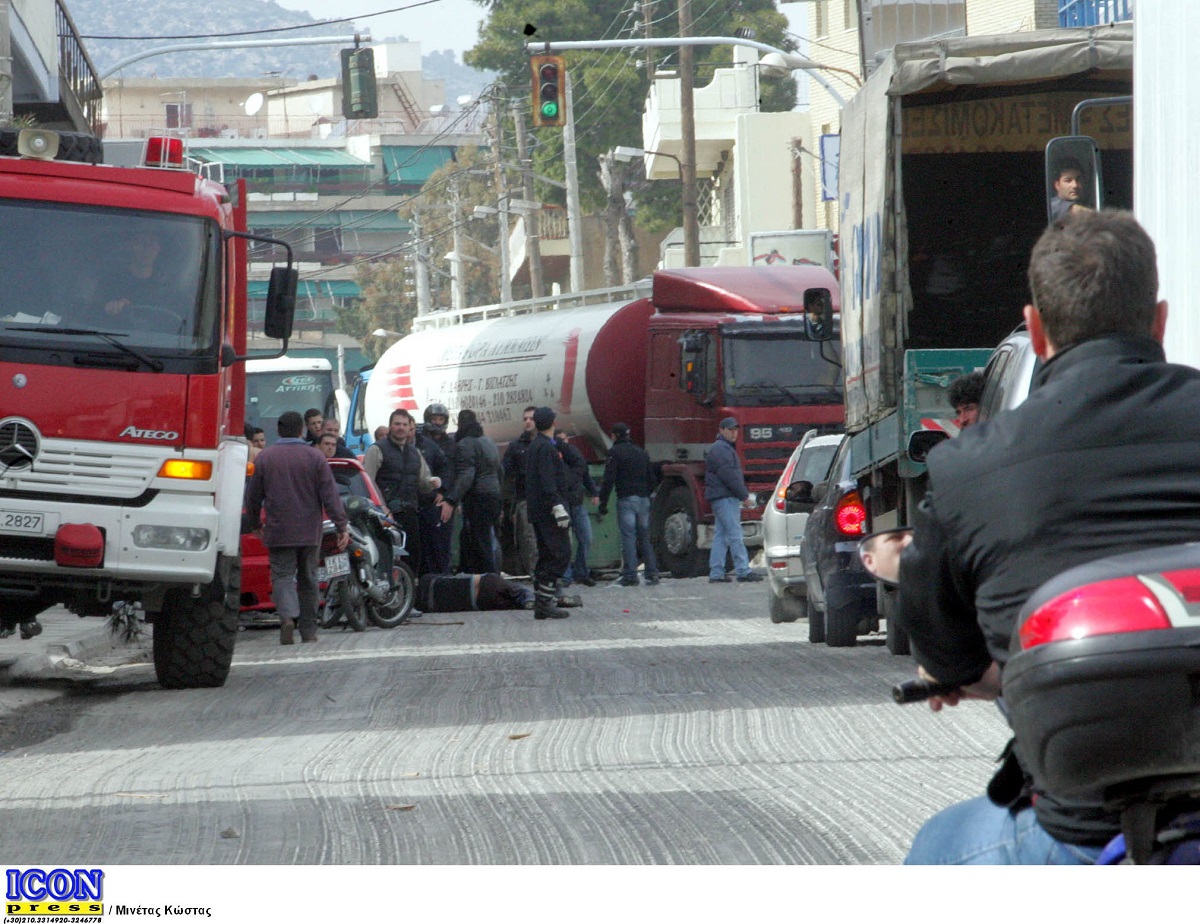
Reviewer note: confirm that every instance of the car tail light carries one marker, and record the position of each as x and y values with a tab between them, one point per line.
1106	607
785	481
850	516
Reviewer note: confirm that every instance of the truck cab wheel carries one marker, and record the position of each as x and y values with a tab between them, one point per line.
676	529
194	636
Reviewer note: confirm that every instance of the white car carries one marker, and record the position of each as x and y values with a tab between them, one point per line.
784	519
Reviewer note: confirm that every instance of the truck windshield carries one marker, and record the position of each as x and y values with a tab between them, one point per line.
271	392
784	367
99	283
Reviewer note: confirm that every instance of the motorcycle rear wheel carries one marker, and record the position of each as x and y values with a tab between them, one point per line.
350	601
395	609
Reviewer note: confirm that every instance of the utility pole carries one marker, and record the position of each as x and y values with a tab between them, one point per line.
502	205
421	267
6	64
533	247
687	127
648	28
458	276
574	210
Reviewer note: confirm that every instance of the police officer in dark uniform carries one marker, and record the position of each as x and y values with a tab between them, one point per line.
546	494
514	491
435	536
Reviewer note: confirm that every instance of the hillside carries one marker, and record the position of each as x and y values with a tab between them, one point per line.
174	19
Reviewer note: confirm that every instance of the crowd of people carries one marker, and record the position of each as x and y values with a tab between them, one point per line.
426	475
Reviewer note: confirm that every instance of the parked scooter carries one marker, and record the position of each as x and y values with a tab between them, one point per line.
1102	691
370	581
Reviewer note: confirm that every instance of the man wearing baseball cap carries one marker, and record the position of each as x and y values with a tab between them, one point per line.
725	491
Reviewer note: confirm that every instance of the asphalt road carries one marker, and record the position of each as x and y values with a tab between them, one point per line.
667	725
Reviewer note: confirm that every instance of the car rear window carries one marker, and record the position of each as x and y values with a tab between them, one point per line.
813	464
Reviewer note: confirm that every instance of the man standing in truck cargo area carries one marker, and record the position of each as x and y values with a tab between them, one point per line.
628	469
397	467
514	482
1102	458
725	490
1068	189
293	481
547	497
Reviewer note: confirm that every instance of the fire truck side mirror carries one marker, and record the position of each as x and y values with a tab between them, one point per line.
1073	178
281	303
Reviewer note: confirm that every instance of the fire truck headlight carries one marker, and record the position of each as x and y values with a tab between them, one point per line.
181	538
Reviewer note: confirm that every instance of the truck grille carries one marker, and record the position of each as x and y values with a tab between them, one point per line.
59	468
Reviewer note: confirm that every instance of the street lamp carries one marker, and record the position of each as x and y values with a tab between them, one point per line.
627	155
482	211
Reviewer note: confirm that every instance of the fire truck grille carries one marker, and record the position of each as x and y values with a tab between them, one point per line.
81	470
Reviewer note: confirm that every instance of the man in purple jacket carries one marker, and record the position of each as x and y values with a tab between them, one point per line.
295	484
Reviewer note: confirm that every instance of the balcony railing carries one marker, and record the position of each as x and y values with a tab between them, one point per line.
77	74
1072	13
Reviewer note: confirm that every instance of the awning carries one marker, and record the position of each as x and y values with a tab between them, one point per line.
311	288
413	166
277	157
346	219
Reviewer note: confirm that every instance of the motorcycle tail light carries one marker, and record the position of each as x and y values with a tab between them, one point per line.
329	544
850	516
1106	607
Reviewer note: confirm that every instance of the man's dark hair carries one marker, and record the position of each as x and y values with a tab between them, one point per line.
532	407
1068	163
326	436
399	412
290	424
1094	273
248	429
311	413
966	389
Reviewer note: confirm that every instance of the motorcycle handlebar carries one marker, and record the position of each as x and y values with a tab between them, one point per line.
915	691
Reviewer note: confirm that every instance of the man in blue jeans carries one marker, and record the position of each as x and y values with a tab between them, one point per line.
725	491
580	490
628	469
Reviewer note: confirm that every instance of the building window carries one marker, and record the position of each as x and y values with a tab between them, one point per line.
848	22
179	115
821	10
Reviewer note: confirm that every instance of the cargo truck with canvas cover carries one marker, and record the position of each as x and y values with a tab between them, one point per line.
942	195
122	454
669	359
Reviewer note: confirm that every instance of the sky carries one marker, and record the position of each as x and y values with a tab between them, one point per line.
439	24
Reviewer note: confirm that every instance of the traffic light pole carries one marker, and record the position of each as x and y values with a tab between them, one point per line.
574	211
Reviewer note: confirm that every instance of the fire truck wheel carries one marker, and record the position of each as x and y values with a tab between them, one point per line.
75	146
194	636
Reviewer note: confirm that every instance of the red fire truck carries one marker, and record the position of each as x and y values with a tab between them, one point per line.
122	393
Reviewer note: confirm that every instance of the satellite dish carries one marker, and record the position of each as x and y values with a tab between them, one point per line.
254	102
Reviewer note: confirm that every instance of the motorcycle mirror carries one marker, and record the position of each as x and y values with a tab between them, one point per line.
880	553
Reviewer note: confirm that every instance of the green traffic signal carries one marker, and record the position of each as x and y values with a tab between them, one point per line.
549	110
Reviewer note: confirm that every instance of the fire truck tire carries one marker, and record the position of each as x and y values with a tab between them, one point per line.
676	529
74	146
194	636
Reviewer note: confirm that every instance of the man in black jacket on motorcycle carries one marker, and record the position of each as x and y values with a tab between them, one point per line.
1103	458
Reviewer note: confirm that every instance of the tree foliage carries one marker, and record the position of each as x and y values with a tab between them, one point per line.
610	87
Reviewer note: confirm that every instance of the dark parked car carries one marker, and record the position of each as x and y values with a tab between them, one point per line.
840	593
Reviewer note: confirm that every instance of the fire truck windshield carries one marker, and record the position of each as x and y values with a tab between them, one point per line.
782	367
144	283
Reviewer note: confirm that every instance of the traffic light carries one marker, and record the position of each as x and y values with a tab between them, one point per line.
358	84
549	91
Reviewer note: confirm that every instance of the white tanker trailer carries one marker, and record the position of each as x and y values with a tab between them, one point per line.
670	359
